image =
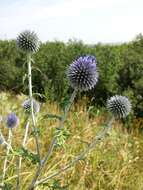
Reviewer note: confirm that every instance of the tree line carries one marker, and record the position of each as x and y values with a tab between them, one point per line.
120	69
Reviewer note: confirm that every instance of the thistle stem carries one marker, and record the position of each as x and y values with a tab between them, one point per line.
31	102
92	145
20	158
4	141
53	142
7	154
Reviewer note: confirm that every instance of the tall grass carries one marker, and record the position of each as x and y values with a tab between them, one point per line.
115	164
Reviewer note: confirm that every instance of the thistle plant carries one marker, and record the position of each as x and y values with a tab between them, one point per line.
82	75
27	108
121	107
28	42
12	121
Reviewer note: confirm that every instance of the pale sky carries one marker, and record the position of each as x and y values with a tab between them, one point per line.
92	21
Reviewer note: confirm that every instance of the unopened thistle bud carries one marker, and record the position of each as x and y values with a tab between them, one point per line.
27	106
119	106
28	42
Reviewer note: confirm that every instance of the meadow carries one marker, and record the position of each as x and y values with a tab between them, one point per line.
88	133
116	163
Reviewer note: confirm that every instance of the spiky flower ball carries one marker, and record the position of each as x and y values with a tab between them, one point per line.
27	106
28	42
119	106
82	73
12	120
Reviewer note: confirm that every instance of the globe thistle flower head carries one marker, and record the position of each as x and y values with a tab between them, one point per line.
12	120
28	42
119	106
82	73
27	106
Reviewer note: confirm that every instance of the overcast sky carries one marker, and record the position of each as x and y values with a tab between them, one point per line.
92	21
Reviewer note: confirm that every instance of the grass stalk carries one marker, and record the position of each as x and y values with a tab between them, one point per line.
92	145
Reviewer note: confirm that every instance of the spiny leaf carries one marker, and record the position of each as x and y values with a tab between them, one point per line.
25	153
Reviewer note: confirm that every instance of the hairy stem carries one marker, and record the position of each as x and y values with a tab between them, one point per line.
5	143
92	145
7	154
53	142
31	102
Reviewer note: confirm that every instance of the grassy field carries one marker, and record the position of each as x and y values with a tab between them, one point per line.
115	164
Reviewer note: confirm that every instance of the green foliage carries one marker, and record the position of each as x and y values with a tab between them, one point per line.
55	185
26	154
120	68
7	186
61	135
130	78
116	163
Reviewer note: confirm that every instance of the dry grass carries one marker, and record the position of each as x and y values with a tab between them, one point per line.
115	164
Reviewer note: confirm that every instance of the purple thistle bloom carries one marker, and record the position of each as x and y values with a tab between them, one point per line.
119	106
12	120
82	73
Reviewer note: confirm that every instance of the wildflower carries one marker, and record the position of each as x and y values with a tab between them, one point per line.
82	73
119	106
28	41
27	106
12	120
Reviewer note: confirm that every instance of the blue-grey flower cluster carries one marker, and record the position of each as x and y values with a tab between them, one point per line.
28	42
82	73
27	106
119	106
12	120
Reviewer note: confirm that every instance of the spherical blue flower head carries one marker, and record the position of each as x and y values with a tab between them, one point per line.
28	42
119	106
12	120
82	73
27	106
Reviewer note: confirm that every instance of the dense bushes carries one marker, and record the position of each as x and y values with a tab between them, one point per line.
120	67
